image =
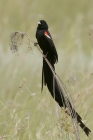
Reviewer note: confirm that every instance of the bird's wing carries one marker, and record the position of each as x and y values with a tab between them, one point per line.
52	50
49	40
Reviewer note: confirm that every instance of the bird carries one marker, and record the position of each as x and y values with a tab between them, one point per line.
45	42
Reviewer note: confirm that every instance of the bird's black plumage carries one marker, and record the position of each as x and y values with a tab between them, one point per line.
46	44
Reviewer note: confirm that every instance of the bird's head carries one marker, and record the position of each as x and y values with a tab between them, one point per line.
42	25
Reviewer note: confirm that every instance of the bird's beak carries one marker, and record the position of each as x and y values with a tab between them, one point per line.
39	22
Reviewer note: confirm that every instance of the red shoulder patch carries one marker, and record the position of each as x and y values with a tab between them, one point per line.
46	34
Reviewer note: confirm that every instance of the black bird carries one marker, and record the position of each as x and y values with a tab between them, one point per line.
46	44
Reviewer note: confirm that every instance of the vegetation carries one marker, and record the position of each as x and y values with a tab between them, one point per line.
25	112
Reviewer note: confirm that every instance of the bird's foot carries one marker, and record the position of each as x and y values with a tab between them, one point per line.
35	43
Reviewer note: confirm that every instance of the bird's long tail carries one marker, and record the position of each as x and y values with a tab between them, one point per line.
58	95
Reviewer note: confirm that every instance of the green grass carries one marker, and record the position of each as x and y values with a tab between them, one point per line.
25	112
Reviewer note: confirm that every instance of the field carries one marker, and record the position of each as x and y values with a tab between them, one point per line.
25	112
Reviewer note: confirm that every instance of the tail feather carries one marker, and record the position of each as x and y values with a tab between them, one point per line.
59	96
82	125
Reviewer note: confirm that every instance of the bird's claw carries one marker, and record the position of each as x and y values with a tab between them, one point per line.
35	43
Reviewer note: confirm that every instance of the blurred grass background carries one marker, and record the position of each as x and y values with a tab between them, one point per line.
25	112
